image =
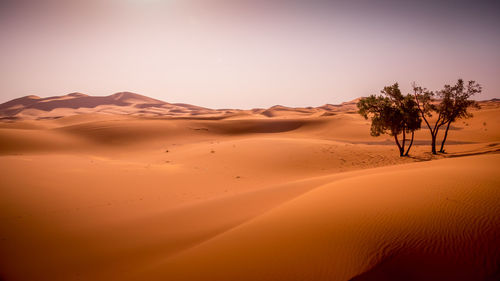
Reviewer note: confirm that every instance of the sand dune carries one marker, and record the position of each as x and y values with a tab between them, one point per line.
180	192
75	100
126	103
379	226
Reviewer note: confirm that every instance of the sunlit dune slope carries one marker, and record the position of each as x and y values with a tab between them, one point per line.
426	221
105	219
91	131
131	104
189	193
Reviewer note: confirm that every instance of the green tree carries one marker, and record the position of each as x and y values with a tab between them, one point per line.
456	102
426	106
392	113
451	104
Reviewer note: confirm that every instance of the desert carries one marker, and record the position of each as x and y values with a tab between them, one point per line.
131	188
249	140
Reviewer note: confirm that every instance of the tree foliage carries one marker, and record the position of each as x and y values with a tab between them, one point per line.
448	105
392	113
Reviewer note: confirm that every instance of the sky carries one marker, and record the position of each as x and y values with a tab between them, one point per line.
245	53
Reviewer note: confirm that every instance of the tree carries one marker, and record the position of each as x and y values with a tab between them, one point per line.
426	105
453	105
456	101
392	113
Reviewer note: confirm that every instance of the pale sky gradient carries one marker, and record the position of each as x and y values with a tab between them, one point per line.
243	53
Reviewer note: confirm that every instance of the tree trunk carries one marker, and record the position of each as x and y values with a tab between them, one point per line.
411	142
404	141
435	132
401	150
445	136
433	144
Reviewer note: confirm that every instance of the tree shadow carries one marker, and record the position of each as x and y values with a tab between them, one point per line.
491	148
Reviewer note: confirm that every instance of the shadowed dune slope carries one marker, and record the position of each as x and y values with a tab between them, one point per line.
426	221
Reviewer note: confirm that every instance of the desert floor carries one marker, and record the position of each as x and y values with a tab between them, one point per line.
286	197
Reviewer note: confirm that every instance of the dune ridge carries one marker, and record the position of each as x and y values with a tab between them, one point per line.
127	103
105	193
434	229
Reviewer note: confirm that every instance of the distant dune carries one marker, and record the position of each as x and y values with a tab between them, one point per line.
130	188
125	103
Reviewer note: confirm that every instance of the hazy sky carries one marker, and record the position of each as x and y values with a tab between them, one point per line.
244	53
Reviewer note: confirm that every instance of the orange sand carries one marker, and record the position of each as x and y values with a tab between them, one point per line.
130	188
